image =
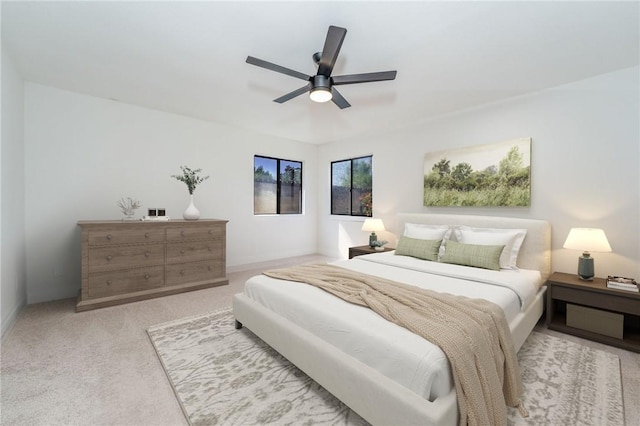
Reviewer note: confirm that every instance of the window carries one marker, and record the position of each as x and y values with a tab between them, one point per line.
351	189
277	186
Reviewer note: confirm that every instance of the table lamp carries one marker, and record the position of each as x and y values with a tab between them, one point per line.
587	240
372	225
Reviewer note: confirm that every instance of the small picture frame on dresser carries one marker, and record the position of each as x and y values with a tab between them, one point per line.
156	214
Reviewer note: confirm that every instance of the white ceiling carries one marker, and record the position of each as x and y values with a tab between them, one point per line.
189	57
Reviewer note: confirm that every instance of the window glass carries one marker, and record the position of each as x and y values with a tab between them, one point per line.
290	187
361	193
341	187
351	187
277	186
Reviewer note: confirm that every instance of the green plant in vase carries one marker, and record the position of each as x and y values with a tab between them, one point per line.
192	179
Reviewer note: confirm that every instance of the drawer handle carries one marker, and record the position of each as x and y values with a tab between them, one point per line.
146	235
181	271
182	233
210	231
210	248
147	276
209	267
109	236
109	257
147	254
181	251
108	282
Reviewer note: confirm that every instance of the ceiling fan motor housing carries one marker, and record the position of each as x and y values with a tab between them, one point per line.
321	81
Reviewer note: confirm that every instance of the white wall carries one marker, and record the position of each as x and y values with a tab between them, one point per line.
84	153
13	291
585	166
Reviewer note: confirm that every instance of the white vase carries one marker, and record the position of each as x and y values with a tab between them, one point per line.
191	213
379	248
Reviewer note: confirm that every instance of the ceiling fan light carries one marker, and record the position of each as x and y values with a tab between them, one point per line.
320	94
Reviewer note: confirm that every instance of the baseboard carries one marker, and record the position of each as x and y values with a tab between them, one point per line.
8	321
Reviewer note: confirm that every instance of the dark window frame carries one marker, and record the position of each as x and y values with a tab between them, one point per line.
351	213
279	186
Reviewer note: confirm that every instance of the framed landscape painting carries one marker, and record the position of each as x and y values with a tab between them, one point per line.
491	175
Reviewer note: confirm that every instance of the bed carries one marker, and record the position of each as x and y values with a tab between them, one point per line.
382	371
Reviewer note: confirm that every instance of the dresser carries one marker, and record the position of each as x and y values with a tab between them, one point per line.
126	261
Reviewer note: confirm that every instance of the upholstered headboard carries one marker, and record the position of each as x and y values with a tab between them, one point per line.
535	252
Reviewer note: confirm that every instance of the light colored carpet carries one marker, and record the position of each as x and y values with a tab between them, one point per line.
226	376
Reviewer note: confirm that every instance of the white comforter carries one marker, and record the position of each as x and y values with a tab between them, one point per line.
394	351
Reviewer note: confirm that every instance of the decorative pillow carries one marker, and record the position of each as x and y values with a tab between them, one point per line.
422	249
511	239
423	231
476	255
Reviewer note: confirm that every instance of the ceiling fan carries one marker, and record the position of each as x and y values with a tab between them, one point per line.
321	86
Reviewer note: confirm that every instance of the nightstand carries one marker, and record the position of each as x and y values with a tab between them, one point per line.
360	250
590	310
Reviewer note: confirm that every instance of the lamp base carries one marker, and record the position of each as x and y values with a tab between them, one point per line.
585	268
372	238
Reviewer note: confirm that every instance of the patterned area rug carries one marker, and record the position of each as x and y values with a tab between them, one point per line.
224	376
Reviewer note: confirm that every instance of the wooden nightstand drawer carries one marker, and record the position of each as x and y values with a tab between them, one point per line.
606	299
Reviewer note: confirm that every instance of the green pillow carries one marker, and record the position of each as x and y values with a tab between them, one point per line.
479	256
422	249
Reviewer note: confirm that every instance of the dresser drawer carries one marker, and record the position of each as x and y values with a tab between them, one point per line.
128	236
193	272
193	251
106	258
105	284
187	233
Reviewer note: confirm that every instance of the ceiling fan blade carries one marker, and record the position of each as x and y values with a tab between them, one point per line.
364	78
338	99
277	68
332	45
293	94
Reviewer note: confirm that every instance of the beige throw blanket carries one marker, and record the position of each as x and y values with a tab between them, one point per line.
473	333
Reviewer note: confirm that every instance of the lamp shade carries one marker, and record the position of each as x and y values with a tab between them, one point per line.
587	239
373	225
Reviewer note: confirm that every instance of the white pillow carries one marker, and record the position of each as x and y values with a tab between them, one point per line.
511	239
421	231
